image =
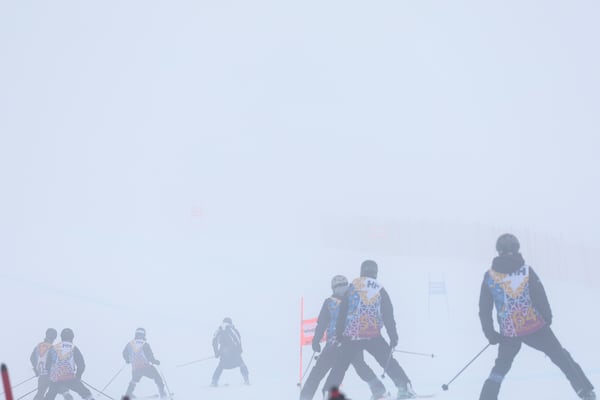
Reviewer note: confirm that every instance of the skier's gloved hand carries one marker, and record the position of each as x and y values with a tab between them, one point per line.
494	337
393	341
156	362
334	341
316	346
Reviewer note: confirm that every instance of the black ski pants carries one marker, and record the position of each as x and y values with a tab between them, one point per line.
43	385
379	349
225	365
74	384
543	340
324	364
148	372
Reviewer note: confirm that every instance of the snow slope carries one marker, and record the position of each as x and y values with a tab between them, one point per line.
167	164
181	318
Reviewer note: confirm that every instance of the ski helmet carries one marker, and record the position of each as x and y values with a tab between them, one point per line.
67	335
369	268
339	280
140	333
339	284
507	244
228	320
51	334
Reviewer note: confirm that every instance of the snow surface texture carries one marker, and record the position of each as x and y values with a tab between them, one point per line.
180	330
166	164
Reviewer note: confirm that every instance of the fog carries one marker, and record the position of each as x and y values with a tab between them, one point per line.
169	164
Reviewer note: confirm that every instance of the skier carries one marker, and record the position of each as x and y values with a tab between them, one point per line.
524	316
364	310
66	365
326	323
139	354
227	344
38	361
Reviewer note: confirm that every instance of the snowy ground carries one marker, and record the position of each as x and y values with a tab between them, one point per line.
168	164
180	327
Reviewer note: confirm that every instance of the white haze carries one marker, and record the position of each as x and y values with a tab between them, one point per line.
167	164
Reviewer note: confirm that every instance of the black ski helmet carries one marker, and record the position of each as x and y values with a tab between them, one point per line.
140	333
51	334
507	244
67	335
369	268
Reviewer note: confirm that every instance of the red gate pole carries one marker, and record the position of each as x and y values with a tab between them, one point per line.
6	383
301	339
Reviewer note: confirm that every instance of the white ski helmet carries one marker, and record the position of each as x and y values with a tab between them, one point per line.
339	284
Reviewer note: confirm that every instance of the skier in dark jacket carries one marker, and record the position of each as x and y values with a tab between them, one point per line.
524	316
38	359
326	323
139	354
65	364
364	310
227	344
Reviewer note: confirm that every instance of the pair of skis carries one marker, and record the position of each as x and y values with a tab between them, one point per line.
388	396
154	396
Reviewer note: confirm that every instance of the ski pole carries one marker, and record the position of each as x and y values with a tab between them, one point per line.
20	383
313	357
415	353
114	377
387	363
6	382
27	394
445	387
102	393
194	362
164	381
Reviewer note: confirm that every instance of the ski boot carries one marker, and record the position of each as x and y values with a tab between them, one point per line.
378	390
406	392
589	395
380	396
129	392
491	388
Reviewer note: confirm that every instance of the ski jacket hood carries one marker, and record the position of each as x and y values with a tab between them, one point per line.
508	263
